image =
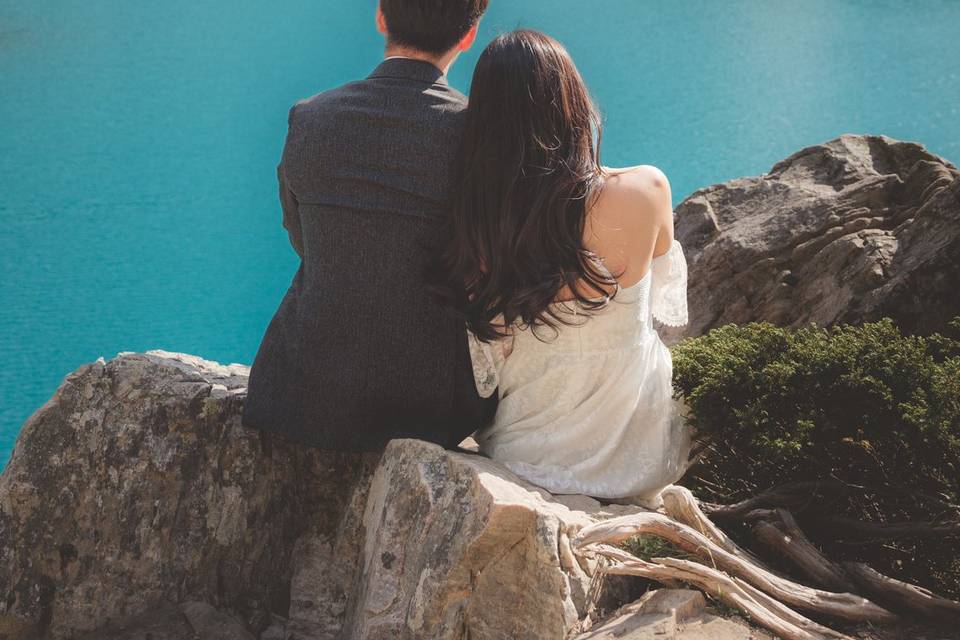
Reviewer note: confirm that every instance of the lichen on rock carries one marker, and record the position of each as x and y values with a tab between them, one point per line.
136	504
851	230
135	491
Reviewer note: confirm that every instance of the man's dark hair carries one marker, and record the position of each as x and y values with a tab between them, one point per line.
431	26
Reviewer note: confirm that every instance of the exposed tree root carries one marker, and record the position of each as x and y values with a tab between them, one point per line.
740	579
844	606
786	538
764	610
850	529
787	495
681	505
909	597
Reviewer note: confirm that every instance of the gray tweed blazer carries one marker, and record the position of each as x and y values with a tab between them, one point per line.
358	352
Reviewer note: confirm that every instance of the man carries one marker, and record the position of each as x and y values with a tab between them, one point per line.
358	352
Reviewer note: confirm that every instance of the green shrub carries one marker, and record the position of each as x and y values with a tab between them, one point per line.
864	406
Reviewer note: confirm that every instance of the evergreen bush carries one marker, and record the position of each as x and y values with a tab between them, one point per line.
865	407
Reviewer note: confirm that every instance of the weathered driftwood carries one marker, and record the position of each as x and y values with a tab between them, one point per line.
789	541
762	609
737	577
786	495
799	494
851	529
681	505
918	600
786	537
846	606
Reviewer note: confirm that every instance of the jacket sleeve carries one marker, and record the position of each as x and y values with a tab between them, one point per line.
288	200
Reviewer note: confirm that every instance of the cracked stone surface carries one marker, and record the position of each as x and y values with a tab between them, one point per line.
136	504
851	230
457	547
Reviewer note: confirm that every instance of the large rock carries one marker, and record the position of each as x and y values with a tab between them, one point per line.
136	485
846	231
136	503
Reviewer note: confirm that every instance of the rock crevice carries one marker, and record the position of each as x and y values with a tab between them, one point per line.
848	231
135	490
136	503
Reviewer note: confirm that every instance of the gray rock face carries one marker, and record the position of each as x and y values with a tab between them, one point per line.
136	485
457	548
136	503
846	231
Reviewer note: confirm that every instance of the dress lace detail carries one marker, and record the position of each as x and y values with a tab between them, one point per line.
668	289
590	409
486	366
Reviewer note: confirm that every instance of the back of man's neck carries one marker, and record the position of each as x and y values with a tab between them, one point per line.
442	62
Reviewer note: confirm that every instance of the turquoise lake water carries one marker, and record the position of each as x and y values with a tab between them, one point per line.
138	141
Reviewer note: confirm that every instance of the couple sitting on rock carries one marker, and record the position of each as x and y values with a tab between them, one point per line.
470	268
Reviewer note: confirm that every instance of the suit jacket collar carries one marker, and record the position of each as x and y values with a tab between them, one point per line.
409	69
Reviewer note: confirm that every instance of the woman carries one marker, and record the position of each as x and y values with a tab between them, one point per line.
558	266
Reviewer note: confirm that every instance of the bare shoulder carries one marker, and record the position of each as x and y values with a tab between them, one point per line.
626	222
633	195
643	181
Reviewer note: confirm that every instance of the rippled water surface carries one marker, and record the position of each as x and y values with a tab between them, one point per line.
138	141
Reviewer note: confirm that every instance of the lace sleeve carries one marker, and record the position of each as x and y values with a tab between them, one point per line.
487	359
668	289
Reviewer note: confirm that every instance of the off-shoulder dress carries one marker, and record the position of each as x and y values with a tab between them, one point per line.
590	409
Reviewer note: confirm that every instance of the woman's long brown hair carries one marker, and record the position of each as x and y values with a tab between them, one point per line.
528	168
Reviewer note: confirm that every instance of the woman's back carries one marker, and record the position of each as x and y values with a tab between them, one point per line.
540	237
629	222
589	409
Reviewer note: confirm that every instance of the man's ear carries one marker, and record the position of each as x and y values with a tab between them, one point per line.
467	41
381	21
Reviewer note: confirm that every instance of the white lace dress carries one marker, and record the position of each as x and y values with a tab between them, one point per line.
590	409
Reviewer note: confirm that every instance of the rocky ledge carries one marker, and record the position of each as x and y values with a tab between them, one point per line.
851	230
136	503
